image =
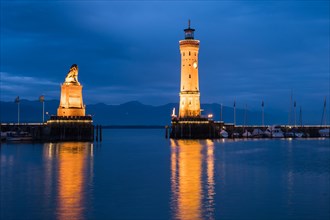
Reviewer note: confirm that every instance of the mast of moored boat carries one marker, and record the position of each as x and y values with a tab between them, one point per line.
300	117
262	113
324	114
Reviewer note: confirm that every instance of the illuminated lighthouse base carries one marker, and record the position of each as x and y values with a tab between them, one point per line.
189	105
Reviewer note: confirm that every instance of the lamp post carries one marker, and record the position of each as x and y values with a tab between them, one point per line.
42	99
17	101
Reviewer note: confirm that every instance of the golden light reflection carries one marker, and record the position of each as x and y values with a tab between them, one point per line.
72	175
192	196
210	179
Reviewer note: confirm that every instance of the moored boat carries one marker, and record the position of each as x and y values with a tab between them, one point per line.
257	133
3	136
19	136
274	132
246	134
324	132
223	134
235	135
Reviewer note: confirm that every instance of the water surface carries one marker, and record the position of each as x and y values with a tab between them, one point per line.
138	174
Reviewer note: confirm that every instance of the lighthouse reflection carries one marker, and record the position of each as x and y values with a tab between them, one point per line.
192	179
71	164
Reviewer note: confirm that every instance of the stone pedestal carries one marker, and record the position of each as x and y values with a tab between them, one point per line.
71	103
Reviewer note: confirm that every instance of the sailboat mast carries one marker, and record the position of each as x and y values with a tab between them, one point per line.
300	117
235	112
290	110
324	114
221	112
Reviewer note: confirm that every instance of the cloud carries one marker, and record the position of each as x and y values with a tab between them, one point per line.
129	50
25	86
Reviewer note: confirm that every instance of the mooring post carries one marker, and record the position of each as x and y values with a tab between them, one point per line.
166	131
189	130
92	133
213	127
100	133
97	133
63	137
181	127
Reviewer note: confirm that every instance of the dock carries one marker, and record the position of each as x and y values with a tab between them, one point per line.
58	128
203	128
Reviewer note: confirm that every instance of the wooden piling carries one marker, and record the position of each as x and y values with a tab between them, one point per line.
97	133
166	131
100	133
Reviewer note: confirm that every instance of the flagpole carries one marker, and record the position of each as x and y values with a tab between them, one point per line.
300	117
235	112
245	115
295	121
17	113
43	112
262	116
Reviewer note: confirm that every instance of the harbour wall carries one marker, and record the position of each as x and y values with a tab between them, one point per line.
211	129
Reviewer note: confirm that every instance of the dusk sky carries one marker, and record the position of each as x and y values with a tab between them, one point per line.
129	50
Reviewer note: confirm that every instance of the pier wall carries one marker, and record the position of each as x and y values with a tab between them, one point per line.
58	128
203	129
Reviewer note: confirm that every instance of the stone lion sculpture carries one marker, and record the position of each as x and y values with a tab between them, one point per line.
72	76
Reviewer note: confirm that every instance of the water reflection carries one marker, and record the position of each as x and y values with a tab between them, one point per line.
192	179
71	164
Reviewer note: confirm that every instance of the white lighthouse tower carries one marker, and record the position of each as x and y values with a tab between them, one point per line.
189	88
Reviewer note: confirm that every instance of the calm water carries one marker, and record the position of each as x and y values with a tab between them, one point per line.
138	174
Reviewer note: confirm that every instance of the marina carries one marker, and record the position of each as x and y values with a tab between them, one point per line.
213	130
78	131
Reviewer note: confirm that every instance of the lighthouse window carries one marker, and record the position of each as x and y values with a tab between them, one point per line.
189	76
195	53
189	53
183	54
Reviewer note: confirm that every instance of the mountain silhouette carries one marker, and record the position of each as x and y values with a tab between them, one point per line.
133	113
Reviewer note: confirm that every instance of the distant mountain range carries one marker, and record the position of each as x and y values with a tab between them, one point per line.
133	113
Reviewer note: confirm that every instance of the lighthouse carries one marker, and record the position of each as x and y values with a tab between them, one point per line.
190	124
189	87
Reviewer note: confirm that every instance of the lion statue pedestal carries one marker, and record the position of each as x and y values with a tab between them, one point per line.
71	103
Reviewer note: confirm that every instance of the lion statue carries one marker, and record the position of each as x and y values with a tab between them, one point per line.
72	76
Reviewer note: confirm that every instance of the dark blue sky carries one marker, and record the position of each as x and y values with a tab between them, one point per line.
129	50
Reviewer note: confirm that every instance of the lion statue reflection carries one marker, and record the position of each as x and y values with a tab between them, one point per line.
72	76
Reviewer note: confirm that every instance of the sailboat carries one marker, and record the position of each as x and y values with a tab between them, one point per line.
274	132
